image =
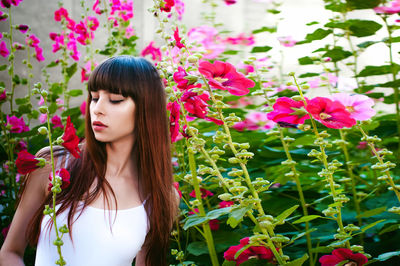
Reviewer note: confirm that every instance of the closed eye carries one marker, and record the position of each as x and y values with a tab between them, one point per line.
115	101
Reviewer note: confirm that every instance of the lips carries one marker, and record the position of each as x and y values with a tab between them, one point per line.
99	124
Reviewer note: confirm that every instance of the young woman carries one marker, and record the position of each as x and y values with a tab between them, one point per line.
121	202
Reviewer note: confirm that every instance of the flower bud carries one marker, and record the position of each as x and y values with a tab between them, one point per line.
43	109
42	130
63	229
192	59
225	196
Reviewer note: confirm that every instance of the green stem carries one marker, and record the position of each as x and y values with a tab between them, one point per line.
11	59
206	226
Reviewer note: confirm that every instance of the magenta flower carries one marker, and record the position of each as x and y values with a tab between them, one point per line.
72	47
224	204
178	39
174	109
21	146
65	178
180	8
82	107
289	111
42	118
206	39
23	28
342	254
166	5
39	54
86	70
92	23
8	3
18	46
241	39
123	9
3	16
56	120
176	185
223	76
96	8
255	121
204	193
17	124
392	9
214	224
230	2
259	252
182	83
153	51
4	52
362	145
287	41
330	113
58	41
214	120
34	41
196	104
60	13
3	96
359	106
71	140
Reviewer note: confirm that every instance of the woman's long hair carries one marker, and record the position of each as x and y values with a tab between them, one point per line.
138	79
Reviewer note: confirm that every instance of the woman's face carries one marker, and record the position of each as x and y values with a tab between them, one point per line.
112	116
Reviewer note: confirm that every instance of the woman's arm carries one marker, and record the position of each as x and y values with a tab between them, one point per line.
12	251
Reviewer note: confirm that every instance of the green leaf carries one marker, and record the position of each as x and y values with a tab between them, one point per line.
52	64
309	74
197	248
294	238
3	67
339	243
21	100
306	219
230	52
366	44
299	261
72	69
321	249
260	49
388	255
264	29
214	214
53	108
390	84
337	54
56	88
75	93
365	228
318	34
281	217
362	4
236	216
312	23
229	263
390	228
363	28
379	70
193	220
305	60
373	212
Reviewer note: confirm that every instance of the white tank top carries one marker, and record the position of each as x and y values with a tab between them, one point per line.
99	239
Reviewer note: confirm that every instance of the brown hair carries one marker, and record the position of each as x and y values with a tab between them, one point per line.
138	79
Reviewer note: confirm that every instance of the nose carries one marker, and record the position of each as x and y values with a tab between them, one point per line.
98	106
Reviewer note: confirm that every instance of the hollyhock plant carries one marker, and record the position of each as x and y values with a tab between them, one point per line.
34	41
64	176
196	104
174	109
259	252
17	124
359	106
204	193
166	5
223	76
26	162
289	111
153	51
71	140
178	39
86	70
3	16
180	8
208	41
255	121
3	96
8	3
343	254
287	41
330	113
21	146
56	120
4	52
122	9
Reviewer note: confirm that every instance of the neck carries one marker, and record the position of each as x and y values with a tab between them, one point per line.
119	159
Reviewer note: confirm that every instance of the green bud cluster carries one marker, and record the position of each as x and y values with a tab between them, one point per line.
47	210
63	229
235	172
225	196
322	142
289	162
330	212
351	228
220	137
280	239
370	139
383	167
394	209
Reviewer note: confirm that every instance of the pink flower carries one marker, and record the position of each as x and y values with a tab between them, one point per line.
3	96
58	41
259	252
129	32
230	2
4	52
123	9
60	13
255	121
178	39
341	254
289	111
359	106
17	124
41	101
287	41
3	16
392	9
39	54
224	204
86	70
92	23
82	107
214	224
56	120
214	120
23	28
8	3
42	118
241	39
362	145
204	193
95	8
323	80
330	113
65	178
207	41
71	46
196	104
176	185
166	5
153	51
223	76
174	109
18	46
180	8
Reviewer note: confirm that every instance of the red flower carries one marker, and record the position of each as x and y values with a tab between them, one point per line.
23	28
216	121
330	113
195	104
60	13
82	107
341	254
3	96
214	224
5	230
153	51
176	185
223	76
230	2
21	146
174	109
166	5
204	193
178	39
183	84
65	178
224	204
71	140
26	162
260	252
289	111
